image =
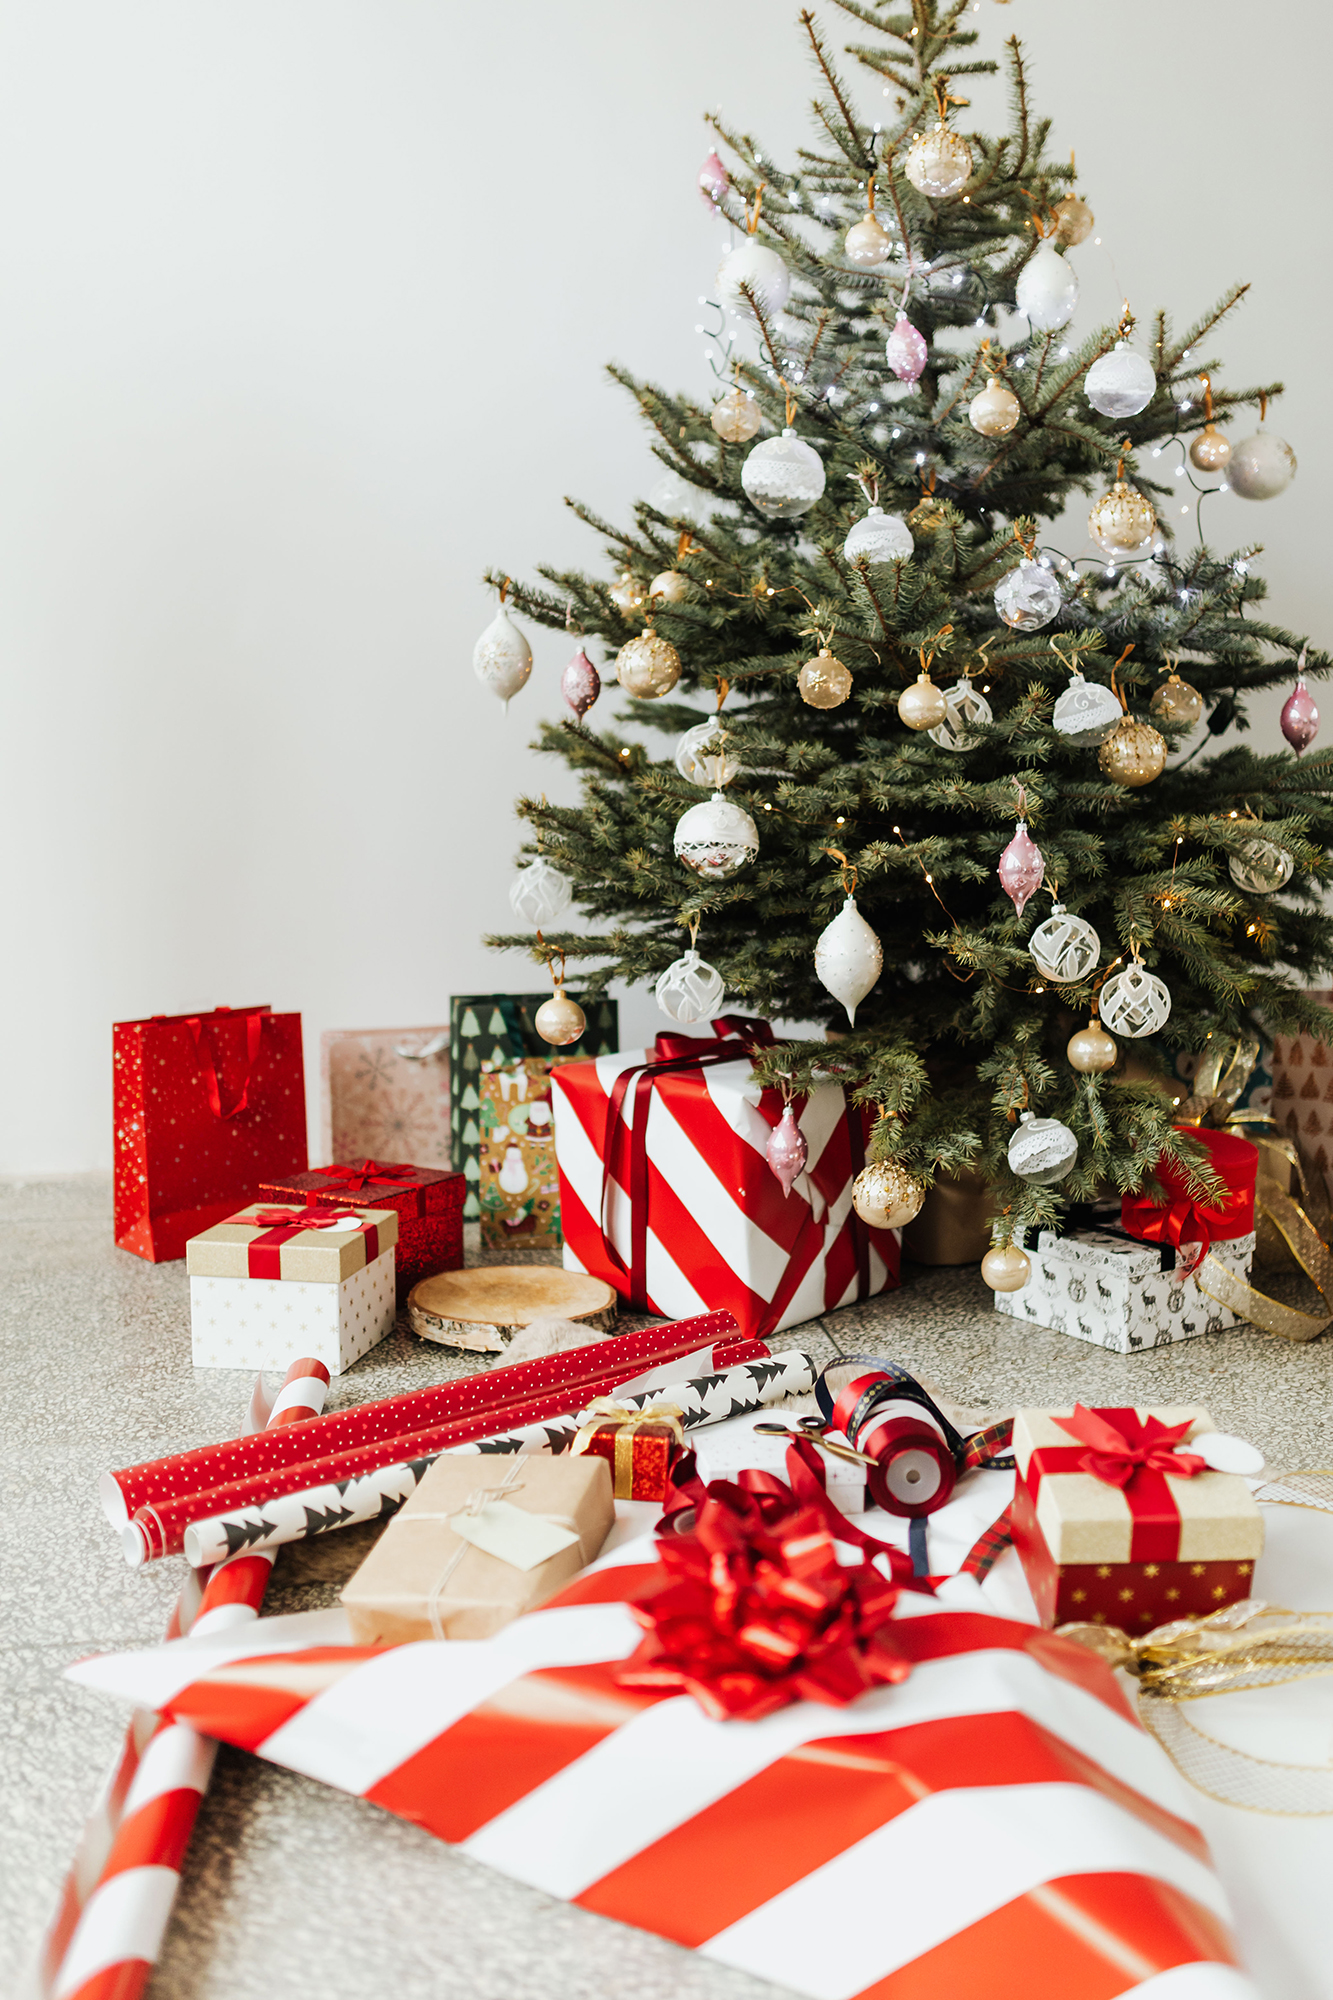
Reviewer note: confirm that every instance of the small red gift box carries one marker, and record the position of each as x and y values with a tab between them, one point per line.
640	1446
428	1202
1117	1522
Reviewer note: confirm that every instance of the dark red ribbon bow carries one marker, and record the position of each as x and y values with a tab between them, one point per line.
350	1176
306	1218
1115	1459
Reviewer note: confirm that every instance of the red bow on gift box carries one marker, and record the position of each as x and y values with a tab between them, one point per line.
305	1218
1116	1459
1181	1218
370	1170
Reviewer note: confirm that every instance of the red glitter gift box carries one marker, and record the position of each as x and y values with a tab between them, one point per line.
640	1446
428	1202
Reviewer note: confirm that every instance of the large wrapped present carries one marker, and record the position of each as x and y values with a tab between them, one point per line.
428	1202
1302	1102
666	1191
499	1029
517	1189
269	1284
1117	1522
206	1107
384	1094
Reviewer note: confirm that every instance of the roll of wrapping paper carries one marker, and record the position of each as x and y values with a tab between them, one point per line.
336	1500
551	1385
884	1413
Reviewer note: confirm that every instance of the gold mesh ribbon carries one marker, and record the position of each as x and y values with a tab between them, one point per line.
603	1411
1245	1645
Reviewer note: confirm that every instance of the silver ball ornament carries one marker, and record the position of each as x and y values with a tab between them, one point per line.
715	838
1028	598
1042	1150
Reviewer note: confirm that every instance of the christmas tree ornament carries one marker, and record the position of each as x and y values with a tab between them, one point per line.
1064	949
885	1196
824	682
1211	449
1135	1002
1133	754
1261	867
965	712
690	989
1021	867
702	757
1042	1150
628	595
670	586
995	411
677	499
1029	597
879	538
848	956
1261	467
580	683
715	838
1177	702
1122	522
1300	714
648	666
783	477
868	243
1047	290
1086	713
502	657
1074	221
755	268
1122	383
905	350
938	162
713	181
1006	1268
559	1020
736	417
539	894
922	706
786	1150
1091	1050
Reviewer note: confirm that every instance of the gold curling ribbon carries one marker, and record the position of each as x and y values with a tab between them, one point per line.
604	1410
1245	1645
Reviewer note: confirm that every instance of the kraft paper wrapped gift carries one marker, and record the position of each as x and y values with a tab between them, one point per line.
1113	1292
1108	1534
426	1578
270	1284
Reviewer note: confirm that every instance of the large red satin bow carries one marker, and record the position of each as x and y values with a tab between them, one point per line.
305	1218
751	1609
370	1170
1114	1459
1181	1219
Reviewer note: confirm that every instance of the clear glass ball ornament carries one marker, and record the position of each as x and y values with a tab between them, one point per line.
1028	598
1134	1002
922	705
1133	754
759	269
824	682
703	759
1122	383
966	710
1047	290
938	162
868	243
1086	713
1261	467
677	499
995	411
848	958
690	989
1176	701
879	538
885	1196
1006	1268
783	477
502	657
1074	221
1261	868
1066	948
648	666
539	894
715	838
1211	449
1122	522
736	417
1042	1150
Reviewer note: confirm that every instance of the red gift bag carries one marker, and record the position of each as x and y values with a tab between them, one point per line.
207	1106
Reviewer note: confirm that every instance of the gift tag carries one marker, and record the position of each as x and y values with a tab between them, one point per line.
1225	1453
521	1540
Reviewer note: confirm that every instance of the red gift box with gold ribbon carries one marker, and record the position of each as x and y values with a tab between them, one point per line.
1117	1522
428	1202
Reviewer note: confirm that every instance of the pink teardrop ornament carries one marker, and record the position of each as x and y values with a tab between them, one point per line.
713	182
1021	868
580	683
786	1150
1300	717
905	351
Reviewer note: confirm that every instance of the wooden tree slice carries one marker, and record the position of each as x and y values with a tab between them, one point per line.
483	1309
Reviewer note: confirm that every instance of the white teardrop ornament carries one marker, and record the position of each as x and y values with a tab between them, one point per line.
848	958
502	657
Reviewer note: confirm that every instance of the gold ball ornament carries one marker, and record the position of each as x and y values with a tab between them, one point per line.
648	666
1091	1050
1133	754
628	594
824	682
922	706
1122	522
1211	449
736	418
1074	221
670	586
885	1196
938	162
995	411
1006	1268
1176	701
868	243
560	1020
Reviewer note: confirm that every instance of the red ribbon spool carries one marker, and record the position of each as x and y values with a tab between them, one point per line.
913	1470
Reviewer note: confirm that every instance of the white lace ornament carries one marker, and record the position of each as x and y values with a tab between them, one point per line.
715	838
1065	948
690	989
1134	1002
539	894
1042	1150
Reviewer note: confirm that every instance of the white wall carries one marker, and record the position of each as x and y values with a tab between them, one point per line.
303	308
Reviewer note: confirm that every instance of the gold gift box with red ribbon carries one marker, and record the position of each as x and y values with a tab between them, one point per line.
1117	1522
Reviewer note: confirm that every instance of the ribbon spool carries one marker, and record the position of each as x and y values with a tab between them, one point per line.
885	1414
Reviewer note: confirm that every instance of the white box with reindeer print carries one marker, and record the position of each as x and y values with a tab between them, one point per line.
1114	1292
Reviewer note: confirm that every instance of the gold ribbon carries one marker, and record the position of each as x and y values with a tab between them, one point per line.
628	1423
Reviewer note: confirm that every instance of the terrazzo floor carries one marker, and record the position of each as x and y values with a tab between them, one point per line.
291	1888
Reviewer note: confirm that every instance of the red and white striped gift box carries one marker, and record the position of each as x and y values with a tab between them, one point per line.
668	1194
998	1821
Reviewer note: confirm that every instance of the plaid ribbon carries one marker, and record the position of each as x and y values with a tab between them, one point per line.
990	1448
986	1551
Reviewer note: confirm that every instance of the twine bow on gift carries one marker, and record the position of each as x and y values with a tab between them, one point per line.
1116	1459
629	1422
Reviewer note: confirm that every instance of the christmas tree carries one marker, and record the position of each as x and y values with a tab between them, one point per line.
887	696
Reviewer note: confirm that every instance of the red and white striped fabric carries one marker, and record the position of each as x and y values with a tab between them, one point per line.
999	1821
721	1234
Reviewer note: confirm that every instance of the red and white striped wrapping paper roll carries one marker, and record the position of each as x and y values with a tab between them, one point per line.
1026	1827
530	1390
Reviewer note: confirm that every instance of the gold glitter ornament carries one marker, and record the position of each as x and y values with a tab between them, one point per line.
1006	1268
1176	701
922	706
737	417
1133	754
824	682
1211	449
628	594
560	1020
648	666
670	586
995	411
885	1196
1091	1050
938	162
1074	221
1122	522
